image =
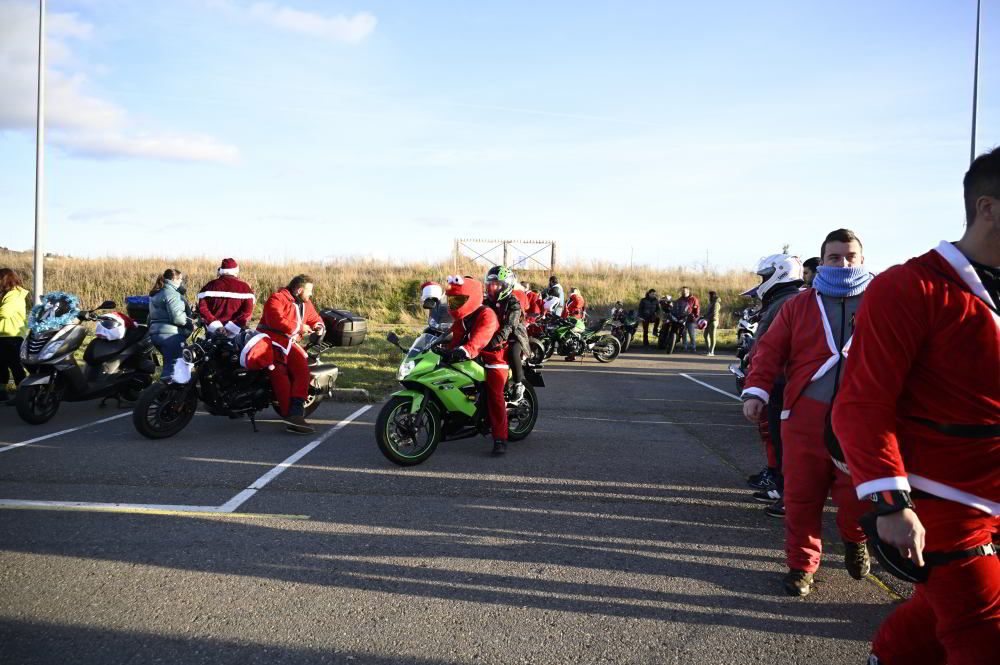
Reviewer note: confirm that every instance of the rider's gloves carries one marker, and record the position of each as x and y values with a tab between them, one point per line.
453	355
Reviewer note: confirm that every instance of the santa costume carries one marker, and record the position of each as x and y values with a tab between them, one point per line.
919	412
226	303
282	320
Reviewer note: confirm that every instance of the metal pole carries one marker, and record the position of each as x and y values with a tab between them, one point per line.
39	257
975	84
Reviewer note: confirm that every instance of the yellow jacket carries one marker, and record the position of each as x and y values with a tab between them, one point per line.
13	313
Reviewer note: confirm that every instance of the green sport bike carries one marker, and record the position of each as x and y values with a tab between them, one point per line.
442	400
554	335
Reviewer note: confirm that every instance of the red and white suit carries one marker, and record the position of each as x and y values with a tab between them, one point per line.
226	302
575	306
283	320
927	354
472	334
800	344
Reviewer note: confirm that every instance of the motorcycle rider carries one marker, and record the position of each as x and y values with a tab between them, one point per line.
808	341
649	310
505	301
935	485
780	279
474	328
555	290
226	302
576	306
288	316
535	306
169	319
691	325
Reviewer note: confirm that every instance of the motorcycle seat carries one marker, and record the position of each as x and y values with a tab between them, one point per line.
101	350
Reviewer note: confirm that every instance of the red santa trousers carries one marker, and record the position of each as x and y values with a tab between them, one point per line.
290	376
496	403
954	617
765	437
809	477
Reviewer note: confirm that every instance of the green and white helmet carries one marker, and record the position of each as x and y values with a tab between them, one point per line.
500	281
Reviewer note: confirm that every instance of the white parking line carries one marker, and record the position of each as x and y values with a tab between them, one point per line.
242	497
718	390
65	431
648	422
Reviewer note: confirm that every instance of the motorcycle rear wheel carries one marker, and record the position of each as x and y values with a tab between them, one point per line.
607	349
163	410
396	442
37	403
536	352
521	417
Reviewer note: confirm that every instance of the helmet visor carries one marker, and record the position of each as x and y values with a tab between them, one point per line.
455	302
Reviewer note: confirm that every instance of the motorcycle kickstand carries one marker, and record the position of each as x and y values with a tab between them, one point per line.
253	421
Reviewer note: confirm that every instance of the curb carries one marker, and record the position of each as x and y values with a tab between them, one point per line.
351	395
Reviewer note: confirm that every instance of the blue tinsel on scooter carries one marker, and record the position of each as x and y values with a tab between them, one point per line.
43	317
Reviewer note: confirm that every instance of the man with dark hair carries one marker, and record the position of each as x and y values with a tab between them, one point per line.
690	335
919	425
555	290
289	316
807	342
809	270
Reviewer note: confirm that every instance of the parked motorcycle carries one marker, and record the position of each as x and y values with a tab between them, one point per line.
673	324
215	375
442	401
623	325
571	337
111	368
745	334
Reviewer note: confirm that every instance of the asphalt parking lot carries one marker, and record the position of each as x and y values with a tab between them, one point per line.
620	531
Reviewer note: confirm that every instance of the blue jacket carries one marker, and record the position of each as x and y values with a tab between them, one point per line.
168	312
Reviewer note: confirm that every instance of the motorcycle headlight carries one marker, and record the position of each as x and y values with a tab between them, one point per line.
54	348
405	369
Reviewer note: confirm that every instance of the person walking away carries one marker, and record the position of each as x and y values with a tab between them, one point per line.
690	335
808	341
555	290
474	328
289	316
576	306
13	315
809	270
169	319
511	335
649	312
712	317
780	279
226	303
919	425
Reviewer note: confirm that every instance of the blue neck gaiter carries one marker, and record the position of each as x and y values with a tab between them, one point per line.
842	282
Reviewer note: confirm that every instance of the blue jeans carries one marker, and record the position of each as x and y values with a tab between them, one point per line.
170	346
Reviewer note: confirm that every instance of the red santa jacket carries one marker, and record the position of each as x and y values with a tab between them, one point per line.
799	344
535	305
473	333
283	318
226	301
575	306
927	347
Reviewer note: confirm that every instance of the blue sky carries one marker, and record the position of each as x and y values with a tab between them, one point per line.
670	132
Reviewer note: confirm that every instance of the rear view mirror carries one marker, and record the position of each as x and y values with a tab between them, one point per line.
392	338
108	304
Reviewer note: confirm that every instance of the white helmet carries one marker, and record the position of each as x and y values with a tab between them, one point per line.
551	304
773	270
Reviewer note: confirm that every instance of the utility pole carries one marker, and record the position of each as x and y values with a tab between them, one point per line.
39	256
975	83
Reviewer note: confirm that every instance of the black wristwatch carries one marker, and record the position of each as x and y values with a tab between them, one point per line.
888	502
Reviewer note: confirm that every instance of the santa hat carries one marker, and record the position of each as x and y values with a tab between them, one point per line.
229	267
113	325
431	290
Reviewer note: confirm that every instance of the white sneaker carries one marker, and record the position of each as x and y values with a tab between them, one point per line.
710	354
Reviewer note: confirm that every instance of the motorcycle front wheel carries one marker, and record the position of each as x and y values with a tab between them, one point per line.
522	415
407	438
37	403
607	349
671	342
536	354
163	410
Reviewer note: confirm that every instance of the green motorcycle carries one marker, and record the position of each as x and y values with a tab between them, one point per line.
571	337
442	401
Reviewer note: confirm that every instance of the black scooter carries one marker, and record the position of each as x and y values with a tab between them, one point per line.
111	368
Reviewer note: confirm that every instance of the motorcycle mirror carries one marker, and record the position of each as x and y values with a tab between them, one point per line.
108	304
392	338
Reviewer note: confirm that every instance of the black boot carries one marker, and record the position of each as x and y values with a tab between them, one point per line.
295	421
499	447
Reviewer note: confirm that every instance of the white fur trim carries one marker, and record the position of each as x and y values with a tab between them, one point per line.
759	393
786	414
232	329
497	366
964	268
214	326
866	489
954	494
226	294
229	271
249	345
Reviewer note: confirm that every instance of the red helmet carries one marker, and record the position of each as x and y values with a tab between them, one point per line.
465	295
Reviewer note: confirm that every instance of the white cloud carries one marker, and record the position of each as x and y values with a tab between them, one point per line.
78	121
339	28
